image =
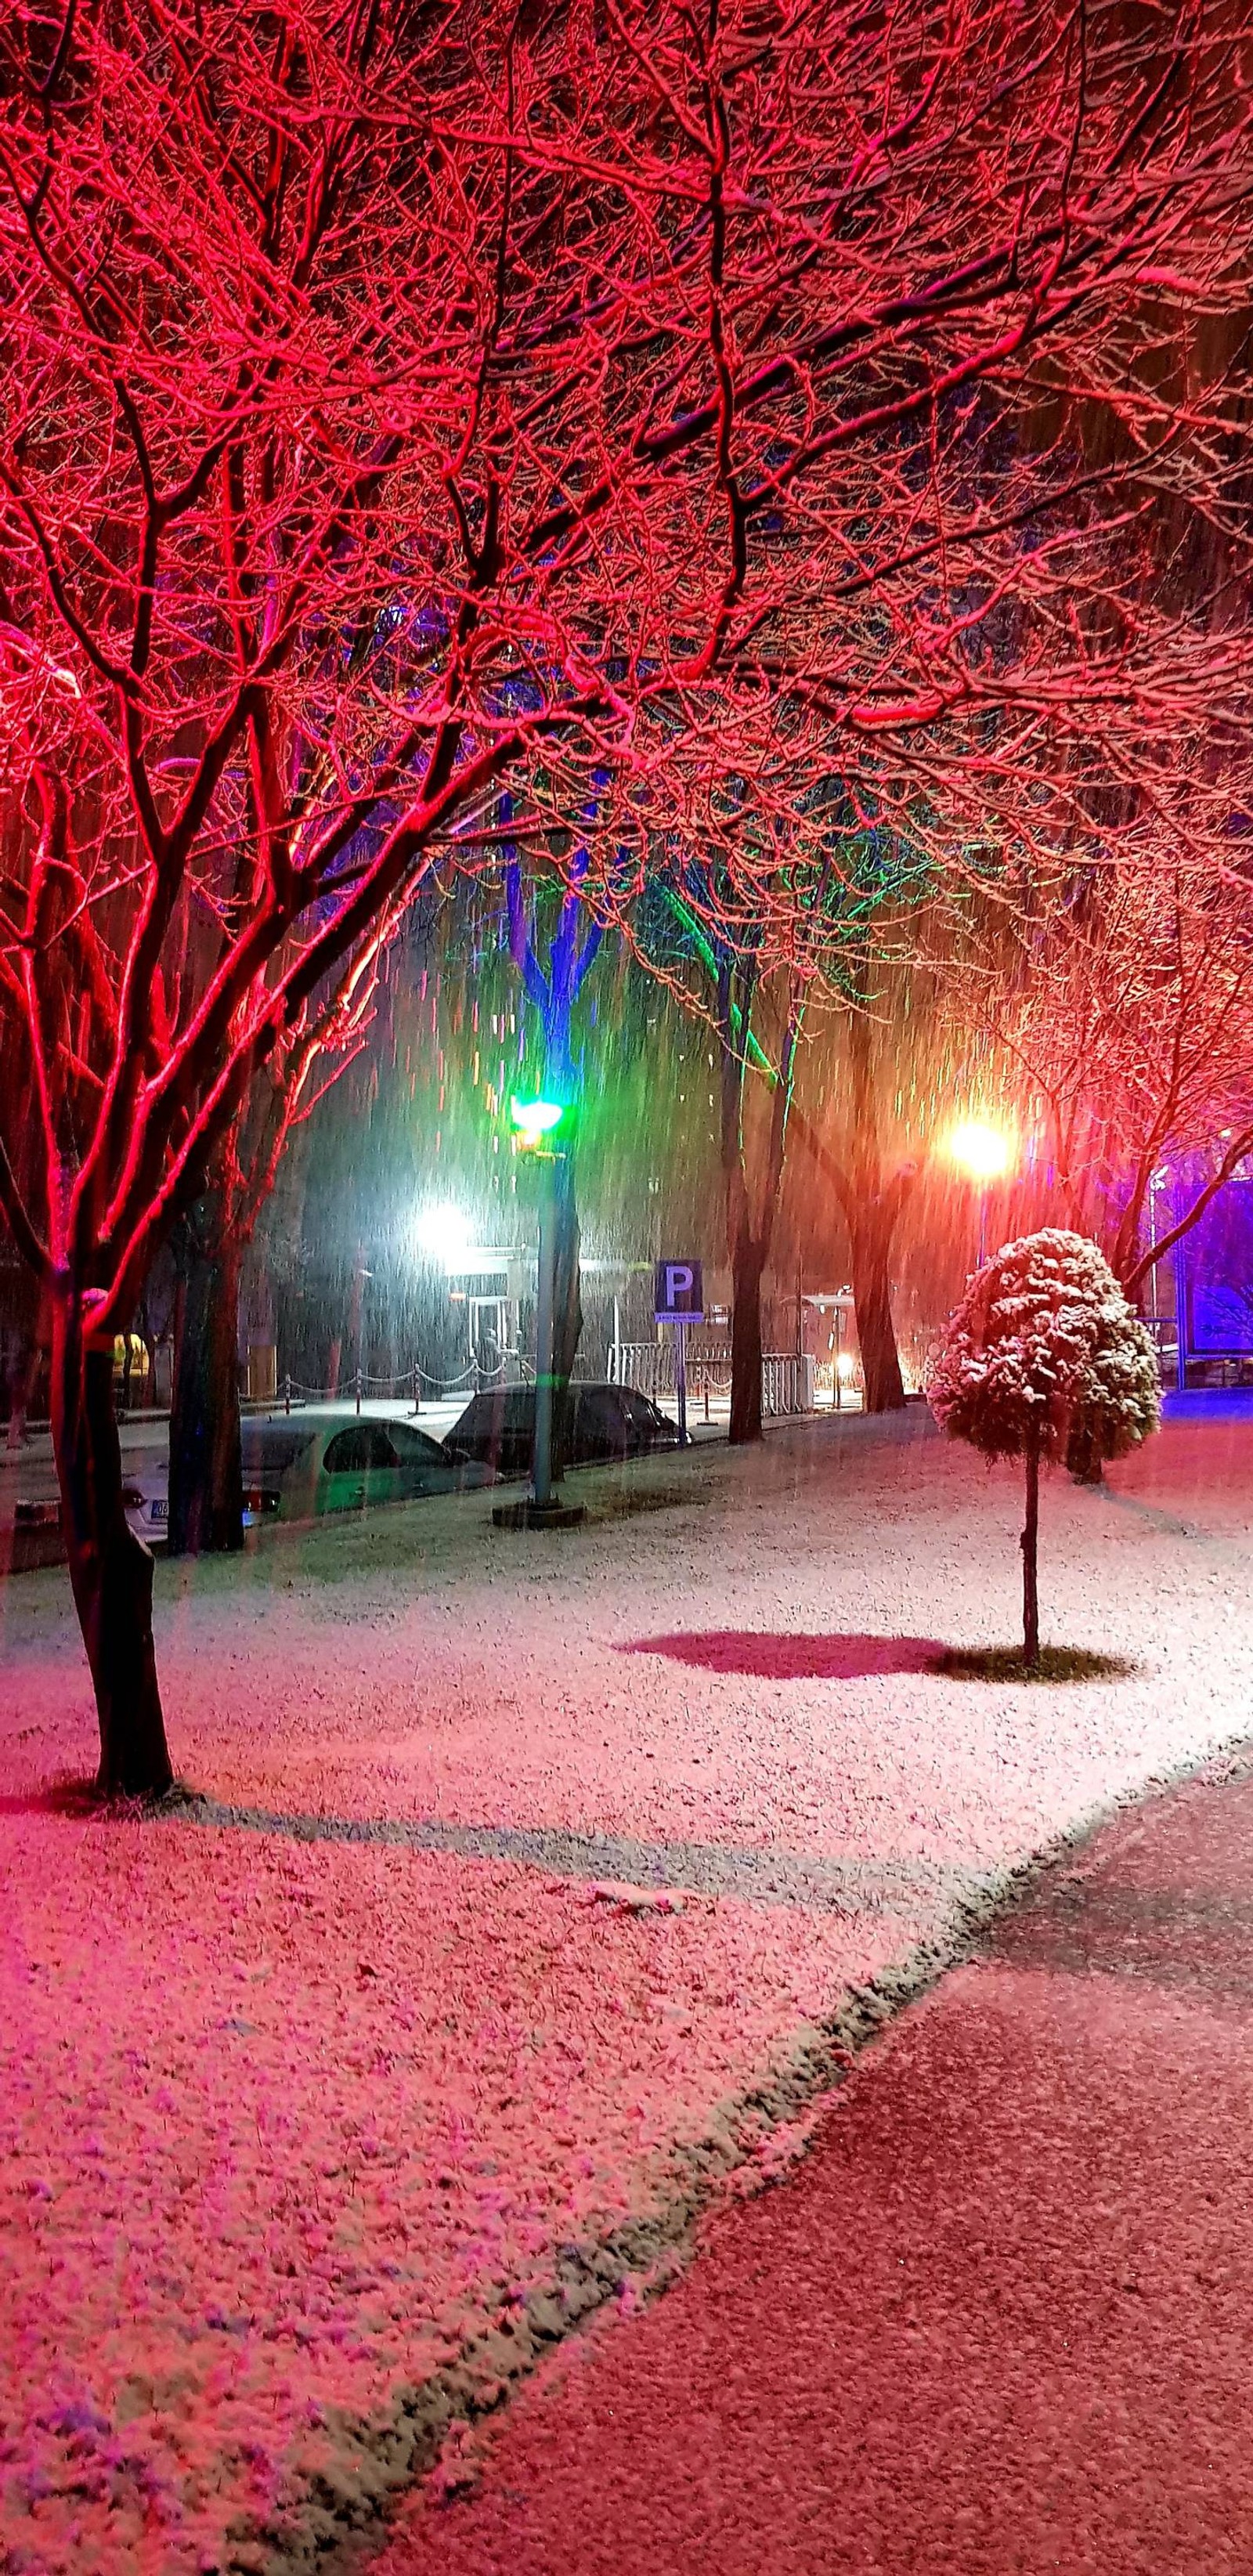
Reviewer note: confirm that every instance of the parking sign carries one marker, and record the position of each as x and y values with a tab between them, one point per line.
678	1293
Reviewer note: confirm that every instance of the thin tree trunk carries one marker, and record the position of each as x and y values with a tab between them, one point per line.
206	1467
747	1269
870	1238
1029	1545
110	1569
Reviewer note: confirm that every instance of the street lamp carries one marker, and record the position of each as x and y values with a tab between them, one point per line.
542	1128
444	1234
533	1120
985	1154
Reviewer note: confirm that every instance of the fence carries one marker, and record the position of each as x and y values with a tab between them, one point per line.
787	1377
413	1386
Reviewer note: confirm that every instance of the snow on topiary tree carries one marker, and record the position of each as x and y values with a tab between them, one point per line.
1043	1352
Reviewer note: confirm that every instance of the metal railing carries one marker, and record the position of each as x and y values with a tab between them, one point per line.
787	1377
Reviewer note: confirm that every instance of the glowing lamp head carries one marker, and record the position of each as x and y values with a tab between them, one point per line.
534	1121
443	1234
983	1152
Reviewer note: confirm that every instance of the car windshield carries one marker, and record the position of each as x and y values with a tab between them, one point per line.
275	1446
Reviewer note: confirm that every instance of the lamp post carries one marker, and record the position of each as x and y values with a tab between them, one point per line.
537	1128
542	1456
985	1154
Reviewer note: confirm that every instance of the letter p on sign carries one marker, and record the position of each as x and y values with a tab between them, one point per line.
678	1293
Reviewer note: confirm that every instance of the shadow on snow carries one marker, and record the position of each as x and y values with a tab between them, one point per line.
788	1657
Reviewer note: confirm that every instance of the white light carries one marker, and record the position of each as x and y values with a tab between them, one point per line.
845	1363
443	1234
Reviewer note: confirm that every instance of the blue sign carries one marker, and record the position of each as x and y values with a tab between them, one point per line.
678	1293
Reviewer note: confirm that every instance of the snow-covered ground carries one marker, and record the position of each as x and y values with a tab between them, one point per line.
294	2111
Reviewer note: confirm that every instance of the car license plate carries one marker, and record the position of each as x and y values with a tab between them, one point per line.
160	1511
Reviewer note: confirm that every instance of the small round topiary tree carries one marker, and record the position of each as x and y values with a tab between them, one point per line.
1044	1353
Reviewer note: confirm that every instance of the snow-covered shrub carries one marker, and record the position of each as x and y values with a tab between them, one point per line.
1044	1358
1043	1345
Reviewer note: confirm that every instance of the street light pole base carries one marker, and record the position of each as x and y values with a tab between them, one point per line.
543	1516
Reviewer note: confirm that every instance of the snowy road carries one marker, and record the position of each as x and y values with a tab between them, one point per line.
375	2062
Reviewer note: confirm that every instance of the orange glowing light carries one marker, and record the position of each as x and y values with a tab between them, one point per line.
985	1153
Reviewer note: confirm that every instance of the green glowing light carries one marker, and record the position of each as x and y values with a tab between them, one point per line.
535	1118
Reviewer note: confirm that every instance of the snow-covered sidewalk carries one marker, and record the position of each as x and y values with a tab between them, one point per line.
532	1870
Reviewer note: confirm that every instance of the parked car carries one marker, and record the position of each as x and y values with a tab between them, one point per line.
498	1427
297	1467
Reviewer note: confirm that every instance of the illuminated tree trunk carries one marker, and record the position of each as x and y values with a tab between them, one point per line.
206	1467
871	1226
872	1209
748	1262
110	1569
748	1235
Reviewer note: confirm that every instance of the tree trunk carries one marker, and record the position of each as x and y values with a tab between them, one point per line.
872	1209
870	1236
24	1370
110	1569
206	1468
749	1239
567	1307
1029	1546
748	1262
1083	1458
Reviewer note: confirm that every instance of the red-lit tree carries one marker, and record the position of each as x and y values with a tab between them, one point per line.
1126	1006
397	402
